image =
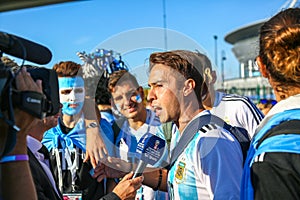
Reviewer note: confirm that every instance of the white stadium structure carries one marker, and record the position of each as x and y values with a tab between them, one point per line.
245	48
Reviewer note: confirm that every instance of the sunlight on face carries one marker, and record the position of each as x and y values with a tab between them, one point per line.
127	99
164	94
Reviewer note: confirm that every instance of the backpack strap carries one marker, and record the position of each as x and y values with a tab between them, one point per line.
240	134
187	135
286	127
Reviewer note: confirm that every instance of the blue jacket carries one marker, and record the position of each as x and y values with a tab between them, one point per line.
289	143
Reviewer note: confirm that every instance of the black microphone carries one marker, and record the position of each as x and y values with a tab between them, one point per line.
149	150
24	49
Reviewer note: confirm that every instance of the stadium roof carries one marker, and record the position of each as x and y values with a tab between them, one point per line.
7	5
245	32
252	30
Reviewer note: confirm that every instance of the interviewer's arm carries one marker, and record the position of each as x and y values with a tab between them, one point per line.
115	168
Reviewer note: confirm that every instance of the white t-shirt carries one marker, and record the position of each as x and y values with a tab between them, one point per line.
237	110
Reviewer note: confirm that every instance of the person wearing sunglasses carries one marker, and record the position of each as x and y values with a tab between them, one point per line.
265	105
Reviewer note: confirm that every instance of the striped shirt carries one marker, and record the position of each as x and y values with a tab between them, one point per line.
210	167
237	110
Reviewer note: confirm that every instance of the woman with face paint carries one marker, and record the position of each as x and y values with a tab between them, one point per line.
67	141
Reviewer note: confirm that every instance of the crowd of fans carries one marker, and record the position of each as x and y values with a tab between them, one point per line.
89	149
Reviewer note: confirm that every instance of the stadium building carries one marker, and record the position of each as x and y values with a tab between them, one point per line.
245	48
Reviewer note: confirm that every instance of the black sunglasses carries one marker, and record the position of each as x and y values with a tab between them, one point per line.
265	101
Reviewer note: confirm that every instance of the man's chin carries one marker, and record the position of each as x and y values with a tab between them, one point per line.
158	113
162	119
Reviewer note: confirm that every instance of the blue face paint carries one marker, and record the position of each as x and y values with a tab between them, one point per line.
138	98
71	93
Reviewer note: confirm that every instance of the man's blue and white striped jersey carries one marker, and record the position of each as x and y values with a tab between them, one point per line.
237	110
210	167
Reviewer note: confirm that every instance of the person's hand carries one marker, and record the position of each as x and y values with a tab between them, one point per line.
24	82
23	120
112	168
95	147
127	187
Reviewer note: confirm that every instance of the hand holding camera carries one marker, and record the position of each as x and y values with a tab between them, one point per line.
21	97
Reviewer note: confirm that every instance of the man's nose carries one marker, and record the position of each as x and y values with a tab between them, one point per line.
151	95
72	96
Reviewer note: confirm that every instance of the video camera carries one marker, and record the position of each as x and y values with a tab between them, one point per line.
34	103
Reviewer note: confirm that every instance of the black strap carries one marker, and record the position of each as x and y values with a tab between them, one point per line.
240	134
189	133
286	127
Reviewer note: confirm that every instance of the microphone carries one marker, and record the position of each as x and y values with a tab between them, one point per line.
24	49
150	149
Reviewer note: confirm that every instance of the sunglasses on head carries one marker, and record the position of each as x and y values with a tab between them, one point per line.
265	101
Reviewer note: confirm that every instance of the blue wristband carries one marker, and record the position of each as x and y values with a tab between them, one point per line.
14	158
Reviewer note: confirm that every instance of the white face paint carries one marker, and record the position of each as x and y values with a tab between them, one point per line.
75	94
71	93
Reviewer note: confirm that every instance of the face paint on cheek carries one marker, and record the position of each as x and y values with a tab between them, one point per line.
138	98
80	95
67	110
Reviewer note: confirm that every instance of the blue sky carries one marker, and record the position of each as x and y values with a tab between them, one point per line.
84	25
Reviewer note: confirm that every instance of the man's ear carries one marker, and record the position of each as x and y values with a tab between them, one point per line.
189	86
213	76
262	67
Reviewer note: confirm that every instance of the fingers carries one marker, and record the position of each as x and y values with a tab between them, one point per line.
101	177
102	154
127	177
105	151
137	182
93	161
24	82
87	157
39	84
127	187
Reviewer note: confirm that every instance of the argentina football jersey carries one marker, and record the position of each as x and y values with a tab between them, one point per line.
210	167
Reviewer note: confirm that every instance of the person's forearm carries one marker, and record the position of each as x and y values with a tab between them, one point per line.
151	178
17	182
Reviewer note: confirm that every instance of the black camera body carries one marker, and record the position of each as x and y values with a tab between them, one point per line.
36	104
50	88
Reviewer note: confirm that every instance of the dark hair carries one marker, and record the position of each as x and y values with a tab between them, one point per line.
67	69
280	46
103	96
189	64
118	77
